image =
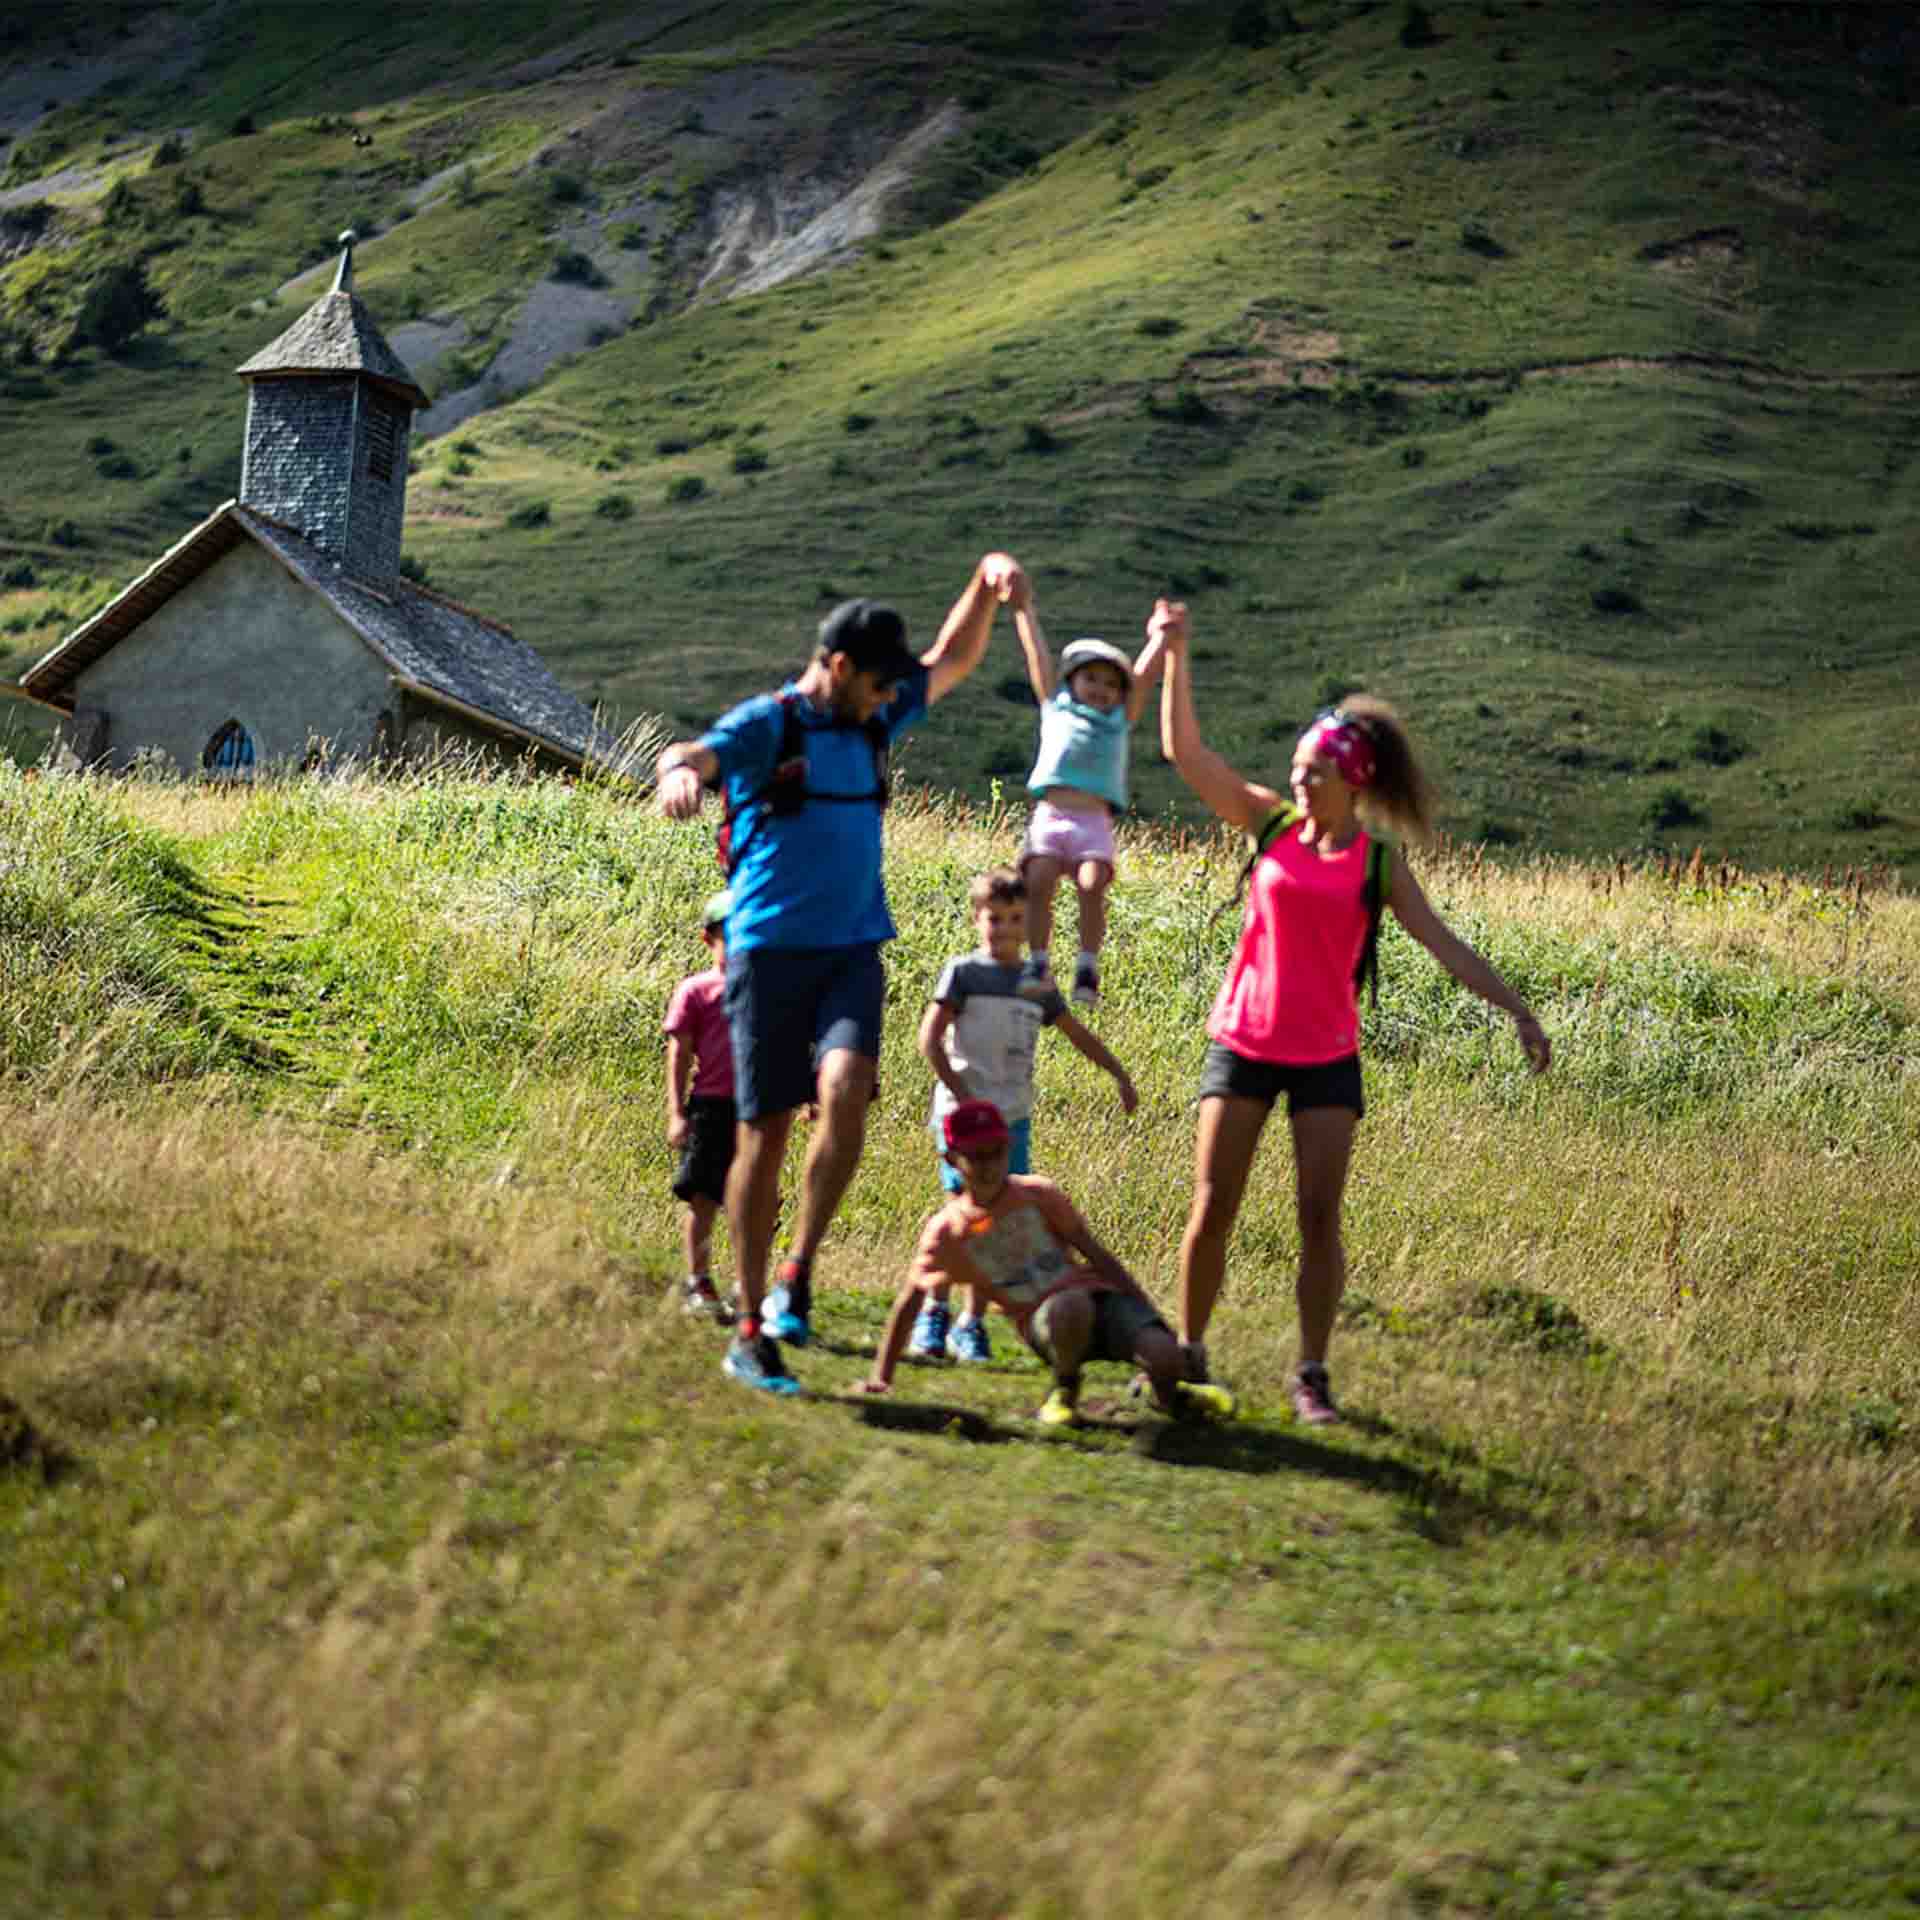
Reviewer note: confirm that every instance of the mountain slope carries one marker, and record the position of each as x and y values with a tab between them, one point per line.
1552	373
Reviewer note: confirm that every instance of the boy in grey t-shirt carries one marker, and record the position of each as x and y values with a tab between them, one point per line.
978	1036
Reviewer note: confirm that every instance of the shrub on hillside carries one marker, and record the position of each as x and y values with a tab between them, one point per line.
749	460
685	487
576	269
1038	437
1674	807
614	506
169	153
858	422
534	513
1416	27
119	302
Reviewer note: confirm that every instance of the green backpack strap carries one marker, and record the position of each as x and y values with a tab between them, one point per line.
1374	891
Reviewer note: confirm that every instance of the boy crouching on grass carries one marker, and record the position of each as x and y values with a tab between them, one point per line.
700	1110
1015	1238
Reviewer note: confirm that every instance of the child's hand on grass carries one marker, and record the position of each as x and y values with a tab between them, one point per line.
871	1385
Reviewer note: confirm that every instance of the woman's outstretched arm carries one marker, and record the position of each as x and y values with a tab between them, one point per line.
1241	802
1414	911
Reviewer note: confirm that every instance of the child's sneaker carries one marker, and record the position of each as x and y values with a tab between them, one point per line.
698	1300
1086	981
1313	1398
1036	977
1061	1408
970	1342
757	1363
1201	1402
790	1304
929	1340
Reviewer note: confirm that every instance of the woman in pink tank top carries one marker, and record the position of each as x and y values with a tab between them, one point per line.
1287	1017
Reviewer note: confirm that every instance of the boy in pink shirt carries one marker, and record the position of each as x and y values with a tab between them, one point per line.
700	1110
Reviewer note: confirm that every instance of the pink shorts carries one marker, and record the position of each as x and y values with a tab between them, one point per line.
1055	834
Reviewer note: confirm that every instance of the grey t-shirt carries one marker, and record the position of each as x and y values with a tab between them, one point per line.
992	1035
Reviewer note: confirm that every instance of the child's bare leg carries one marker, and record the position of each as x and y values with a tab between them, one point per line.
1042	876
698	1236
1065	1325
1164	1360
1092	881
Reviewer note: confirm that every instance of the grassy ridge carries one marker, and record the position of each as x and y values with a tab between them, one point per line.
407	1552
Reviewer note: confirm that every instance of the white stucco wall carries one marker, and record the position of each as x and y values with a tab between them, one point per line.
244	641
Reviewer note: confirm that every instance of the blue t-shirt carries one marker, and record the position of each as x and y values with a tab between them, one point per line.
1082	747
812	878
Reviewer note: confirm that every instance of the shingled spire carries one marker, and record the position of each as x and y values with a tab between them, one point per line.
329	425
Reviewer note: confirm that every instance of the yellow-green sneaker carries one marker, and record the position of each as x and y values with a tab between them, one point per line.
1202	1400
1061	1408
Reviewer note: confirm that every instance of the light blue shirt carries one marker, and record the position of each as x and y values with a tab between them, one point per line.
1084	748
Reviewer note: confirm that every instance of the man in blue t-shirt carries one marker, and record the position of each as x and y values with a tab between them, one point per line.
805	985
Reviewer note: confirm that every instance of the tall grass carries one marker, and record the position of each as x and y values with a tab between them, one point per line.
415	1556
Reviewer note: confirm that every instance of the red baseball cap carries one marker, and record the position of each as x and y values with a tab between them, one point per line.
973	1126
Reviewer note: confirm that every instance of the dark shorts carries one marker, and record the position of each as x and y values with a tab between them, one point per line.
788	1008
704	1160
1337	1084
1119	1319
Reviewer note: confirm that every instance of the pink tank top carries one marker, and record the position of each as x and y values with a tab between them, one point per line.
1288	997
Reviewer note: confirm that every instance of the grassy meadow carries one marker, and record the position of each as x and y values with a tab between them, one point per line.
377	1538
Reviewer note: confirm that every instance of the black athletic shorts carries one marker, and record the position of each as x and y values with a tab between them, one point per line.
708	1154
1337	1084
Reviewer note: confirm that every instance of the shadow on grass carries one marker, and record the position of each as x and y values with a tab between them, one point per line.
1438	1506
920	1416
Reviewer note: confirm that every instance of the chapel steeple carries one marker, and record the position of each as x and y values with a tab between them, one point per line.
329	426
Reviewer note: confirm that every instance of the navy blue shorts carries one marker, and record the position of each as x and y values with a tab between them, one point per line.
1337	1084
788	1008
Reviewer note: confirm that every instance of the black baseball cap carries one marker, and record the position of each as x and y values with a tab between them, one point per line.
872	636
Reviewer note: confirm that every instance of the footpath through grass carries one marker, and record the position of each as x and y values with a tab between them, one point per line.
375	1536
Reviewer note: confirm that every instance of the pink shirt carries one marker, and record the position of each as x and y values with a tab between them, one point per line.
697	1014
1288	997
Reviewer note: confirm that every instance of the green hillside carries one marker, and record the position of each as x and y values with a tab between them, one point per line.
1548	368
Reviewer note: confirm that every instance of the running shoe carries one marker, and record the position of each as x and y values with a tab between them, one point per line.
1313	1398
1202	1402
1036	977
789	1306
1061	1408
1086	983
929	1341
1195	1352
757	1363
970	1342
698	1300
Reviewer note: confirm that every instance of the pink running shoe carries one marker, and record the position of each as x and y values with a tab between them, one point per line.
1313	1398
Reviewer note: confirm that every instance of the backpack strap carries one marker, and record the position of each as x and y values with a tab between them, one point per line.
785	791
1374	891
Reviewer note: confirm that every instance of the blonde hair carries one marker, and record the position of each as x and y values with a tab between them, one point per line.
1399	800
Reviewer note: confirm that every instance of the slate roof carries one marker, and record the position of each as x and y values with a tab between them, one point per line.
336	335
435	648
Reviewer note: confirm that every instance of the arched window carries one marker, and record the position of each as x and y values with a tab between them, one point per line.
229	754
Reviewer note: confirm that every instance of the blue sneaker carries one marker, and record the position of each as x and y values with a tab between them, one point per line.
757	1363
970	1342
790	1303
929	1340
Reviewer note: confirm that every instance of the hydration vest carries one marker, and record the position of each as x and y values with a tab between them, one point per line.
785	791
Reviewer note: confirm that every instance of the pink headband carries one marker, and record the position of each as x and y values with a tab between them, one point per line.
1343	741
